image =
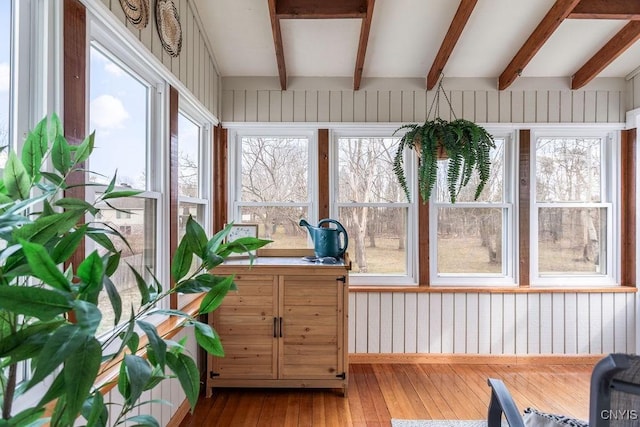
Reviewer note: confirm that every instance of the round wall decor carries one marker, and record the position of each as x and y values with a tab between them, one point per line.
136	11
169	29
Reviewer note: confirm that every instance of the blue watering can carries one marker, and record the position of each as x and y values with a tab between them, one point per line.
326	241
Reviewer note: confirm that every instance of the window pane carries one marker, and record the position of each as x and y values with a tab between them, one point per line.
377	239
139	229
365	172
184	210
274	169
118	113
188	157
5	77
279	224
494	188
470	240
568	169
572	240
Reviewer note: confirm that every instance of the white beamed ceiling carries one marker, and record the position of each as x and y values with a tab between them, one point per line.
405	37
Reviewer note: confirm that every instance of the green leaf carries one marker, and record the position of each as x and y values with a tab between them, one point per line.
200	283
44	304
80	371
54	179
34	149
214	243
43	266
63	343
55	390
182	259
67	246
208	339
143	287
69	203
36	332
16	179
61	155
214	297
138	372
114	299
91	272
113	261
88	316
84	149
26	417
120	194
99	235
157	344
45	228
187	372
95	411
142	420
196	237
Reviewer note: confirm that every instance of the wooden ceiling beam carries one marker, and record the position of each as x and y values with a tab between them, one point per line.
449	43
362	44
606	9
626	37
277	41
319	9
552	20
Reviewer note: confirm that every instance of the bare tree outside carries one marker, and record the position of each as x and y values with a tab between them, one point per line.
571	237
369	200
470	233
274	190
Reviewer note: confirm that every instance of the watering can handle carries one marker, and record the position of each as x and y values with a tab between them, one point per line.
340	230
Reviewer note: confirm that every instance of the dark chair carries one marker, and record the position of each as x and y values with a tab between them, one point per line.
614	396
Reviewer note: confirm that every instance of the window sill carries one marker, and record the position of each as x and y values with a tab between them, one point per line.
108	377
492	289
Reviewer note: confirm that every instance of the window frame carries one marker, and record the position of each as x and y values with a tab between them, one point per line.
509	205
412	262
610	199
235	164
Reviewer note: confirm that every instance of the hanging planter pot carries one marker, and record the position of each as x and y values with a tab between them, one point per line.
464	143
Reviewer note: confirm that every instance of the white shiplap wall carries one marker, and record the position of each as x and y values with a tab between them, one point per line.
491	323
472	322
195	66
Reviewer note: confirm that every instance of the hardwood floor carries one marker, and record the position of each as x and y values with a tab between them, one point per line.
379	392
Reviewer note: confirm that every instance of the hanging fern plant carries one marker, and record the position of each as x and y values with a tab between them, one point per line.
466	144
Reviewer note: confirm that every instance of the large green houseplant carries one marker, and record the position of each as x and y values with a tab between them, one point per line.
49	311
464	143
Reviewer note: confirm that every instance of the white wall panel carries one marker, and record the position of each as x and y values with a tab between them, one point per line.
493	323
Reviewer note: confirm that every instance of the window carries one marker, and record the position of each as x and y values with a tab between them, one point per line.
572	214
273	186
374	210
472	240
122	113
5	77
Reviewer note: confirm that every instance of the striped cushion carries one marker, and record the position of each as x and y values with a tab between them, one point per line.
534	418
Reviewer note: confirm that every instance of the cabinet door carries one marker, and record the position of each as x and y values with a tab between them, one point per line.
247	323
312	329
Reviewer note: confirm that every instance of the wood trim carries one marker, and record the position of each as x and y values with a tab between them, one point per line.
606	9
450	40
474	359
628	206
524	209
623	40
323	173
424	278
490	290
75	88
277	41
362	44
552	20
220	152
180	415
327	9
173	182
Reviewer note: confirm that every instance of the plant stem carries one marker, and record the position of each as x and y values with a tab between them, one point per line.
9	391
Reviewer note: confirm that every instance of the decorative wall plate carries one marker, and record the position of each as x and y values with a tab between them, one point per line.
136	11
169	29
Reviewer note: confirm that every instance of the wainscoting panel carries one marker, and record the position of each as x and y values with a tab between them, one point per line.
195	66
491	323
405	100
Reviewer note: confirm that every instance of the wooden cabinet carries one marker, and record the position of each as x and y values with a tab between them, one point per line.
285	326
